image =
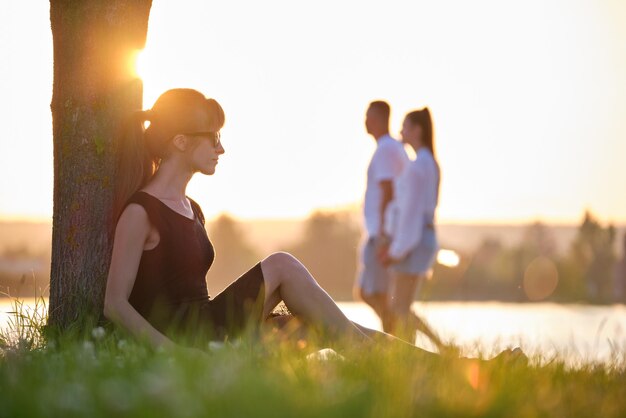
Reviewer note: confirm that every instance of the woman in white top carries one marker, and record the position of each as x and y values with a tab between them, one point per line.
409	224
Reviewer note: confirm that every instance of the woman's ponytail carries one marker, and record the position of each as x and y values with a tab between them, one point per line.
424	119
135	164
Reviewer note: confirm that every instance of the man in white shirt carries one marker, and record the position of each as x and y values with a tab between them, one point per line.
387	163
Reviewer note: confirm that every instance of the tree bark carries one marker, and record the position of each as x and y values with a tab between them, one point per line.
95	89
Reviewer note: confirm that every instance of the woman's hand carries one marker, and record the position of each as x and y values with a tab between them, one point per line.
383	258
382	251
386	260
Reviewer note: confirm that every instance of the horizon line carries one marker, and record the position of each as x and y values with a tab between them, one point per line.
503	222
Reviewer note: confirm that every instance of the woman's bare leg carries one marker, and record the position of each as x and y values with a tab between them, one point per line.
403	289
288	280
403	320
378	302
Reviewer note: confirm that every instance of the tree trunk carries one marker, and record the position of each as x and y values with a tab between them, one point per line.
94	90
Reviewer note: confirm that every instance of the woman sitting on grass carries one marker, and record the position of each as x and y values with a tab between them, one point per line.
156	285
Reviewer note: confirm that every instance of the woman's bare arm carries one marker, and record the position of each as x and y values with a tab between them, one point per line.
131	235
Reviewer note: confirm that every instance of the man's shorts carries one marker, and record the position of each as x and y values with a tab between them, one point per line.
421	258
373	276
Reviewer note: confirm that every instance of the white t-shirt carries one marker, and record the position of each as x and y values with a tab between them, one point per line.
387	163
414	203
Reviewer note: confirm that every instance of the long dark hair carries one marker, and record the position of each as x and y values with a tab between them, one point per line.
141	149
423	118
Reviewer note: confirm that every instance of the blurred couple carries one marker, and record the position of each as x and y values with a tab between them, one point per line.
401	245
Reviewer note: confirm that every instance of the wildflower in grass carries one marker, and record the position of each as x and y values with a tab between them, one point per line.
119	362
122	345
88	357
98	333
88	347
215	345
325	354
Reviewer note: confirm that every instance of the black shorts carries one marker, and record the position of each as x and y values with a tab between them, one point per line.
236	309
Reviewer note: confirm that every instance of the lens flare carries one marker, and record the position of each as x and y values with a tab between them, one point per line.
540	278
448	258
472	373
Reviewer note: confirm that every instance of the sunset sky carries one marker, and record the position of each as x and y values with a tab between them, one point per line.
528	100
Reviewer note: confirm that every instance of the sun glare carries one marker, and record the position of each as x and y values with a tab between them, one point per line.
139	63
448	258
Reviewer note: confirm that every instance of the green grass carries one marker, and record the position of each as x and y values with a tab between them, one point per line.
104	374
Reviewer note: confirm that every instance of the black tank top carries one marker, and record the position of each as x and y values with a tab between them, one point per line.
171	276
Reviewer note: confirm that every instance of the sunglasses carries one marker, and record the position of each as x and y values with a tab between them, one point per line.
215	137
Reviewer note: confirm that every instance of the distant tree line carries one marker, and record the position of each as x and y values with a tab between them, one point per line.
533	270
589	271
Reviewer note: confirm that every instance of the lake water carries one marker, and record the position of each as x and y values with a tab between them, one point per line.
579	333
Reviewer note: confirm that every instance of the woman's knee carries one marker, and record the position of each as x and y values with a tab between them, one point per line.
281	264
